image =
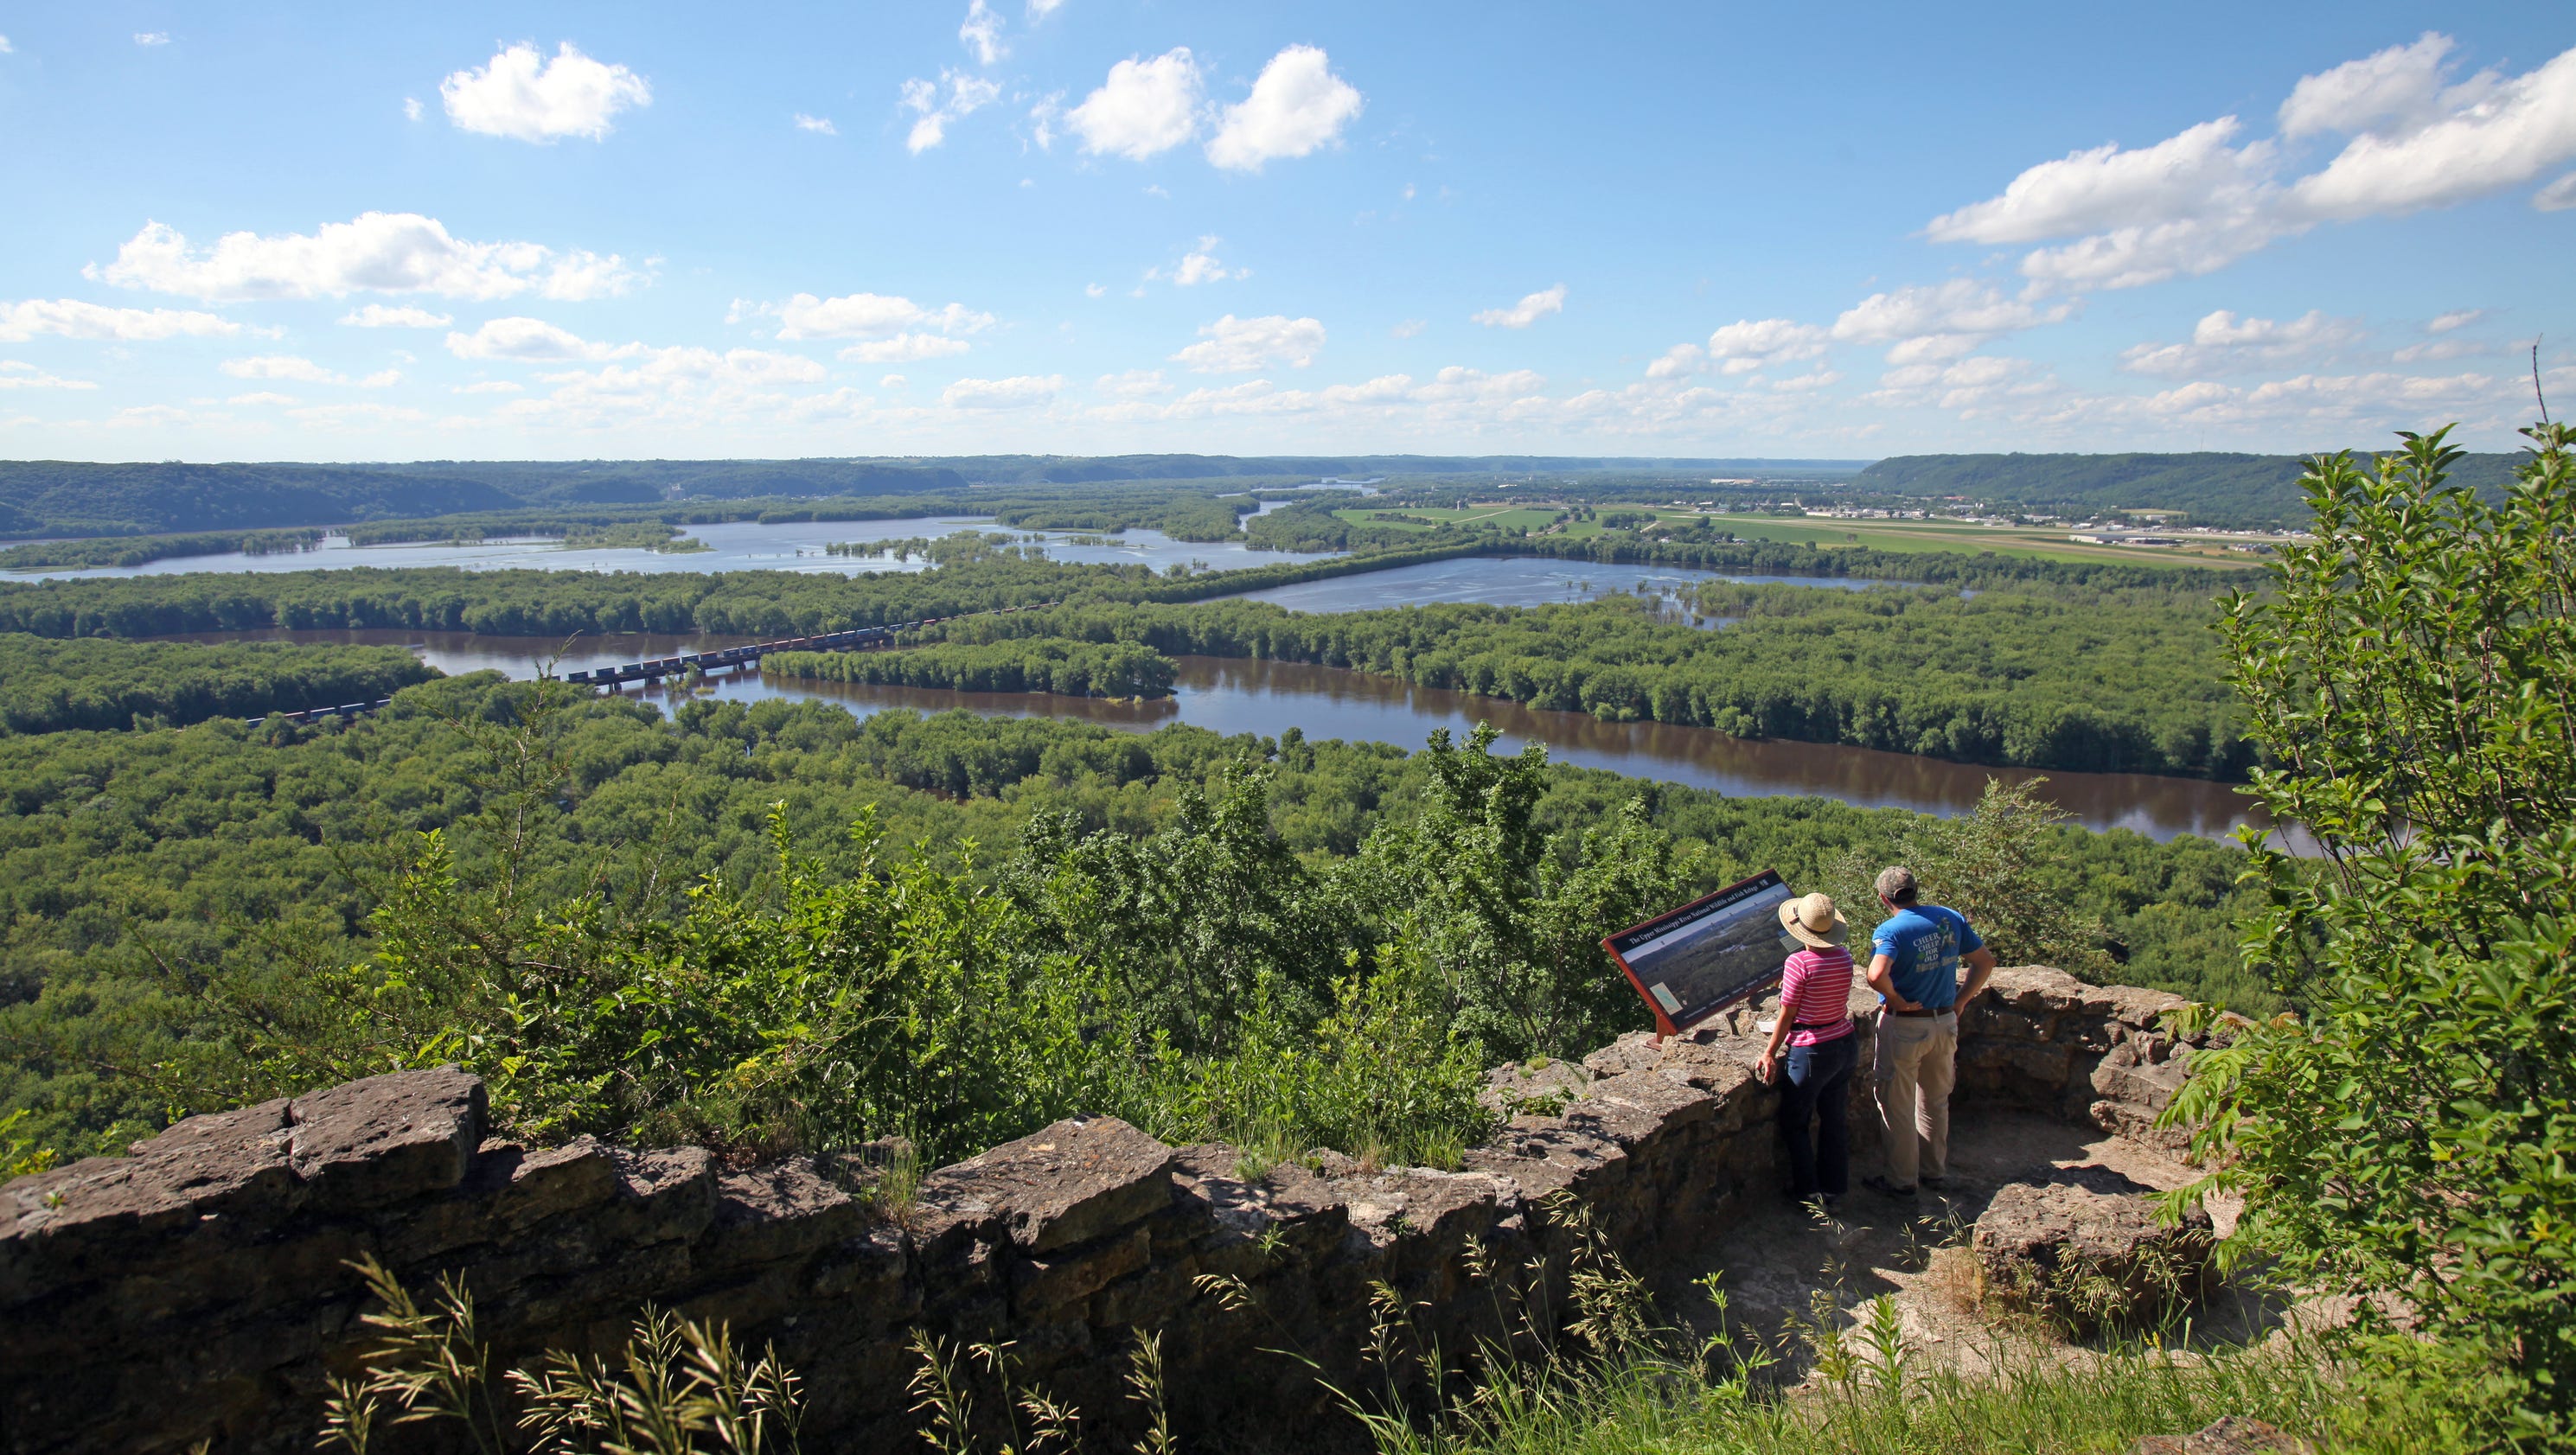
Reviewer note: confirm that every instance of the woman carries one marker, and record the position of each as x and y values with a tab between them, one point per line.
1816	1026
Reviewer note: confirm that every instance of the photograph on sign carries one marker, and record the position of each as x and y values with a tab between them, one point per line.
1708	954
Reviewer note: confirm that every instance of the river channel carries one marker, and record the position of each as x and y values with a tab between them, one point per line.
1229	695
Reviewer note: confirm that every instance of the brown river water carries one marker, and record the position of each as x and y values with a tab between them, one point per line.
1229	695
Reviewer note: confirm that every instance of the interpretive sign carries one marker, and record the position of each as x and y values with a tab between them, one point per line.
1694	961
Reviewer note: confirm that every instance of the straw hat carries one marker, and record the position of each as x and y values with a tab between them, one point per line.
1814	920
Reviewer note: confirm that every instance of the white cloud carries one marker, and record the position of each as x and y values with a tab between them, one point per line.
1297	105
982	33
1018	392
2497	133
2437	350
488	386
967	94
380	252
530	340
2456	318
2222	342
1529	310
303	371
521	95
74	319
1679	361
1921	322
1234	345
17	375
411	108
904	348
1094	290
264	397
1410	327
2558	196
151	37
2199	200
820	125
1134	384
1041	9
1750	343
5	47
894	381
862	316
379	315
1144	108
2401	84
1200	265
1803	383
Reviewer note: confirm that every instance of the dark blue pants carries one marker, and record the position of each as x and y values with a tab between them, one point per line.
1815	1103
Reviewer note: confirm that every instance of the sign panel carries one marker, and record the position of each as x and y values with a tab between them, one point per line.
1694	961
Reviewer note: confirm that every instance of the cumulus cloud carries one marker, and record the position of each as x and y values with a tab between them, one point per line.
1198	265
303	371
819	125
265	397
1145	108
2205	197
861	316
1529	310
5	47
378	252
15	374
1234	345
1942	320
1018	392
530	340
74	319
411	108
1742	347
151	37
525	96
379	315
1297	105
1041	9
966	94
904	348
2402	84
2222	342
1134	384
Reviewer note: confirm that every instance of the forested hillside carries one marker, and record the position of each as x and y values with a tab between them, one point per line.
161	886
2210	488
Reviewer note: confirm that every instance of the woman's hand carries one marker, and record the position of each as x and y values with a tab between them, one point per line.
1767	1068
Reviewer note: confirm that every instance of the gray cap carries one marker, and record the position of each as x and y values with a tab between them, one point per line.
1896	884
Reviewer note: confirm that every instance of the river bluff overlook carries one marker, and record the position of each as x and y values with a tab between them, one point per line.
200	1288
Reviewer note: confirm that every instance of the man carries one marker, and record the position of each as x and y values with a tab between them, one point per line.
1914	966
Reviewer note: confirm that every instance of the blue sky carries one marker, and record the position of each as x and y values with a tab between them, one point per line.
279	232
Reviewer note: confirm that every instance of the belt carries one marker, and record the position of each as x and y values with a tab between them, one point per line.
1923	1011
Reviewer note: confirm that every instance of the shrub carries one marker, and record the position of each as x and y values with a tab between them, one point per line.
2416	1134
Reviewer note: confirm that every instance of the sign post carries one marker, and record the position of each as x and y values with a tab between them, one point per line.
1692	962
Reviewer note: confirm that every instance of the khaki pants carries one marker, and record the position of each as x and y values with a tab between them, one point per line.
1916	1064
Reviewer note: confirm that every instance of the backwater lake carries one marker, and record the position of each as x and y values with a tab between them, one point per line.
1232	696
740	545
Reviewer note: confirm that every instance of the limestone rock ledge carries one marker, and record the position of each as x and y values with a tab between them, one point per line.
199	1287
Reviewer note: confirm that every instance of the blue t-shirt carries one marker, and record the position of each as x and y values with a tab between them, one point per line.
1926	942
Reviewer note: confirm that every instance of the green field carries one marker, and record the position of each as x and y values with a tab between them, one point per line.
1506	517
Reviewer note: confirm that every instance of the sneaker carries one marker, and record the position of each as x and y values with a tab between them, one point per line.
1885	1188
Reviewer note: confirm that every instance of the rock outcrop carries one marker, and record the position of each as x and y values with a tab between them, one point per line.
201	1287
2089	1251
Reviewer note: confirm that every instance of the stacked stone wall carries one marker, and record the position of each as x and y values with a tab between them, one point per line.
201	1289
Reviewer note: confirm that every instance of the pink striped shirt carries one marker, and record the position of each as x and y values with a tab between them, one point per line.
1815	995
